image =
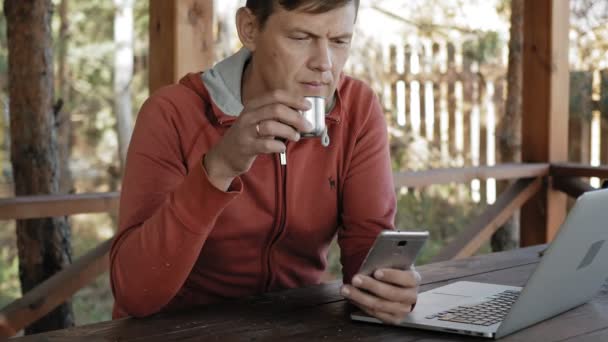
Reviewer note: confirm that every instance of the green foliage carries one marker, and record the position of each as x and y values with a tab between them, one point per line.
484	49
9	264
581	90
443	210
9	276
504	9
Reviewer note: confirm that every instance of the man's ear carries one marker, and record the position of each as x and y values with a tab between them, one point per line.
247	27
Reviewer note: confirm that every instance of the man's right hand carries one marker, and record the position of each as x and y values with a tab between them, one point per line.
274	115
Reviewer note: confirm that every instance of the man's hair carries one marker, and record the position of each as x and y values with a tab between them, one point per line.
262	9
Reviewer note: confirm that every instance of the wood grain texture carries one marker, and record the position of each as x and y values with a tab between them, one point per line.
181	39
481	229
417	179
55	290
27	207
545	109
578	170
572	186
320	313
43	244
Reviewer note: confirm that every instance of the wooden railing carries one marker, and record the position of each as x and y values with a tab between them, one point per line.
528	180
29	207
62	285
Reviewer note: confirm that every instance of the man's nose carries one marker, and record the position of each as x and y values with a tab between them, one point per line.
321	60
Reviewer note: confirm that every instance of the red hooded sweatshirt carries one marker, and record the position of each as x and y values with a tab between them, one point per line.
182	242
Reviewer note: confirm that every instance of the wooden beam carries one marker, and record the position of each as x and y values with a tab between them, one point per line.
482	228
578	170
545	110
572	186
417	179
29	207
55	290
181	39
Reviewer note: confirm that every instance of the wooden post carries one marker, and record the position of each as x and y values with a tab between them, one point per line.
43	244
604	115
483	133
181	39
545	110
436	70
451	98
394	79
422	88
580	114
407	80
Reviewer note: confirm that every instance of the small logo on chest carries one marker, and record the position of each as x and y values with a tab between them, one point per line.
332	183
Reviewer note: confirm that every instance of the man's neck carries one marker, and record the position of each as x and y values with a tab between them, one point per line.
251	84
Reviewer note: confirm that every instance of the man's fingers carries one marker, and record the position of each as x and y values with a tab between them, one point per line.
281	113
268	146
398	277
278	96
394	293
271	128
376	304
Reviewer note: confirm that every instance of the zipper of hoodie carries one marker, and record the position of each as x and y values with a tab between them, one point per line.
281	216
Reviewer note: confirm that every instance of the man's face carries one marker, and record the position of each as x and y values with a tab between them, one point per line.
304	53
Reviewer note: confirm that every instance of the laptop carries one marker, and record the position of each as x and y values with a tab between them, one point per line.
578	257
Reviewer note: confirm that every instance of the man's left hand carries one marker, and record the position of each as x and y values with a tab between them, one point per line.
389	295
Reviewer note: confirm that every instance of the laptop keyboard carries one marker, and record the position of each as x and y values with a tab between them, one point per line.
485	313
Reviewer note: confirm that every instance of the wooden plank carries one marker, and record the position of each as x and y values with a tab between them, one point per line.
572	186
56	289
580	108
451	99
416	179
481	229
603	108
603	104
5	329
578	170
604	140
321	314
436	69
545	109
181	39
264	317
28	207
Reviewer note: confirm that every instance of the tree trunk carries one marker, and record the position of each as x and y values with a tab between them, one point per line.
123	73
62	113
43	244
509	127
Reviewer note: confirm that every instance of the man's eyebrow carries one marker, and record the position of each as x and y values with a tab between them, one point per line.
339	36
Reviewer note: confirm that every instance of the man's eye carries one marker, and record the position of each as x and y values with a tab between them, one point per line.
300	38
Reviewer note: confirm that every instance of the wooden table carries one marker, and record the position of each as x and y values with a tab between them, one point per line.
319	313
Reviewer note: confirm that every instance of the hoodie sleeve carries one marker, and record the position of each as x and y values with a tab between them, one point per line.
166	214
368	203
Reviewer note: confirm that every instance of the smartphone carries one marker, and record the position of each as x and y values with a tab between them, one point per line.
393	249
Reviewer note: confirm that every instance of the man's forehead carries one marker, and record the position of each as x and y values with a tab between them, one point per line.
337	21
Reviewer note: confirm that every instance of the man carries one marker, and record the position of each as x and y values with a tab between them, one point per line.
209	210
